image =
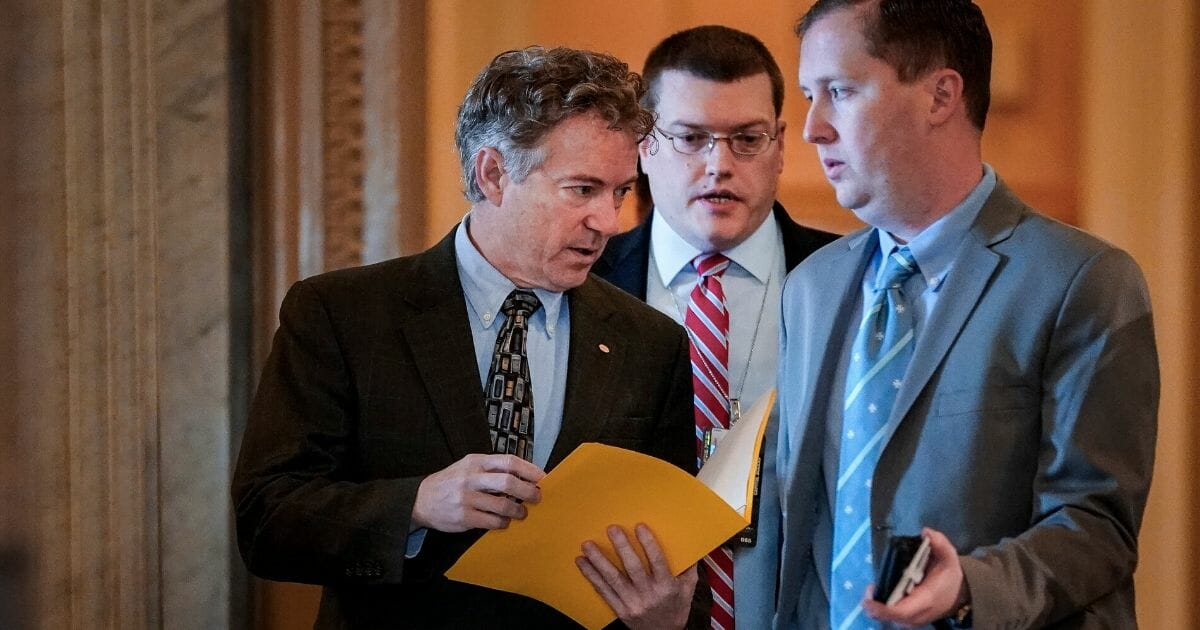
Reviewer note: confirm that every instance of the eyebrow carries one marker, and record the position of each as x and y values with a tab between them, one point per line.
745	125
825	79
592	180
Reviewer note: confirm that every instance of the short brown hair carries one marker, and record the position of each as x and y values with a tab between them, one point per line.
523	94
713	52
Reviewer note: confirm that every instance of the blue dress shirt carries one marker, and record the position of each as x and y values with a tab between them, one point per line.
547	345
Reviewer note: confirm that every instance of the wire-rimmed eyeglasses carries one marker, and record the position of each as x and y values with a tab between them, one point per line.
698	141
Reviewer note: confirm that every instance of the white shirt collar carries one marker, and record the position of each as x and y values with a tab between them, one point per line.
936	247
485	288
672	254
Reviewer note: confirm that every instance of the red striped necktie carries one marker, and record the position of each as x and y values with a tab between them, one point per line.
707	322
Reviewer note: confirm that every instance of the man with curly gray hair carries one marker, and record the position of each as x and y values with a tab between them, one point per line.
523	94
409	406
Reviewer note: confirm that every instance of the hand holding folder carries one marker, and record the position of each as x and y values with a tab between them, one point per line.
597	486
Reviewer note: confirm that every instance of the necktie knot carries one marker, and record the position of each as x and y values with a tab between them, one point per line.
710	265
898	268
520	301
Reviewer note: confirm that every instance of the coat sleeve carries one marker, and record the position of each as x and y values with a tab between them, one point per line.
675	436
301	515
1098	426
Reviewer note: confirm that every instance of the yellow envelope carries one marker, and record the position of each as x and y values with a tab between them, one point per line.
597	486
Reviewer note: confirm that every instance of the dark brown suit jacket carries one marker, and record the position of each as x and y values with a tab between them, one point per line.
372	384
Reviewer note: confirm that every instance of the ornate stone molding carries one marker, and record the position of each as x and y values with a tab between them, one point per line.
339	125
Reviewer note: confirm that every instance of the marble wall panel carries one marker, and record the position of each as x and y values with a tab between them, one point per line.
117	162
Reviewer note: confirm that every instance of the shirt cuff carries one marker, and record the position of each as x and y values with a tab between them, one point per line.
416	538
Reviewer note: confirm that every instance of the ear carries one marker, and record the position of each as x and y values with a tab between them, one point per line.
649	146
946	92
490	175
779	136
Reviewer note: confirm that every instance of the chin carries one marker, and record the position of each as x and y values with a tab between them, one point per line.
568	282
721	242
716	233
850	199
875	216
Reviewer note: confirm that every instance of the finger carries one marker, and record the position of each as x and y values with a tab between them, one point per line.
660	571
512	465
601	585
476	519
941	550
872	608
629	558
613	576
690	576
498	505
914	606
909	611
505	483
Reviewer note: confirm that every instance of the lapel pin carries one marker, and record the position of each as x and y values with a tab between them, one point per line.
604	348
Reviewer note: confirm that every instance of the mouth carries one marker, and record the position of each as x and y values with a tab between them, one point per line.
589	253
718	198
833	167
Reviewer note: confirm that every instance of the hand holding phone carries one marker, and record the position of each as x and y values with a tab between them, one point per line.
902	569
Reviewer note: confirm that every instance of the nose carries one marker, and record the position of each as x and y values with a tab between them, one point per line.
817	129
718	162
603	218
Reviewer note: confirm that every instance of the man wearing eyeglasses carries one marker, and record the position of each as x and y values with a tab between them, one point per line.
709	257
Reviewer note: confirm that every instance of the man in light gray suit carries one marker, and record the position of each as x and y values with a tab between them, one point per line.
1007	362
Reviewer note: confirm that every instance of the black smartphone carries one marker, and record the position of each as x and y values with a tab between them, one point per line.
903	567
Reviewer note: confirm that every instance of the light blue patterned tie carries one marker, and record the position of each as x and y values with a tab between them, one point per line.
881	352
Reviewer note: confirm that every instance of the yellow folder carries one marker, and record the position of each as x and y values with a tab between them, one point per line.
597	486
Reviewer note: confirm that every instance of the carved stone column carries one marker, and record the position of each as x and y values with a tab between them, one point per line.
338	144
338	140
115	215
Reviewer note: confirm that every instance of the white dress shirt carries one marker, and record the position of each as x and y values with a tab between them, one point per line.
753	284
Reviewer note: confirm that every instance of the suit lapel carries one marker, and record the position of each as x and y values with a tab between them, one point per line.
973	269
625	261
591	372
798	241
831	293
839	278
440	338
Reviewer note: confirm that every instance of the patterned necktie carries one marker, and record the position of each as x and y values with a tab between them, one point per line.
509	391
707	323
880	356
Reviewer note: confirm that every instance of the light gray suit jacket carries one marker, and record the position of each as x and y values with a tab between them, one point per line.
1027	421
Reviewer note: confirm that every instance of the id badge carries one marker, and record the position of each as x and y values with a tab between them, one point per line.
712	437
749	536
718	434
